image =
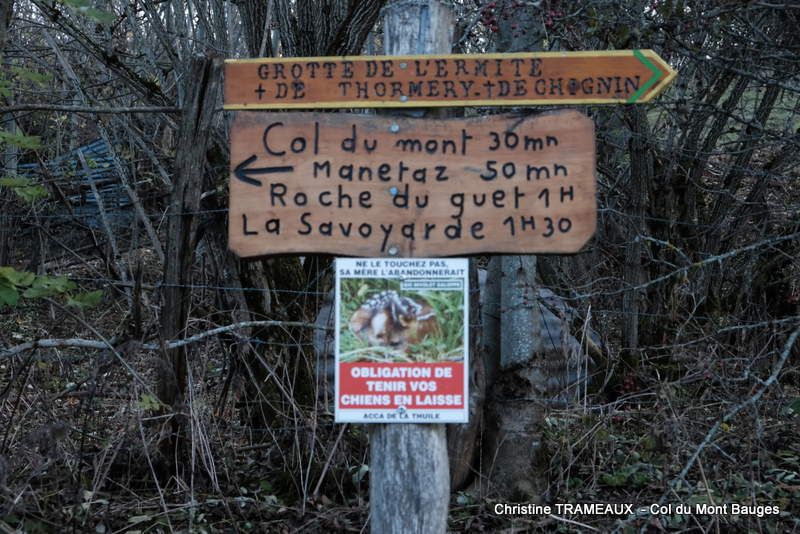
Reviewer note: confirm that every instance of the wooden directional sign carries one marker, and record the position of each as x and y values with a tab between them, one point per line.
379	186
614	77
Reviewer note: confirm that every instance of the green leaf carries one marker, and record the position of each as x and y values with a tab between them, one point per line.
100	16
37	292
634	474
24	188
62	283
648	441
8	294
640	479
31	193
78	4
31	75
614	480
362	291
14	181
46	286
84	7
149	403
17	278
86	300
31	142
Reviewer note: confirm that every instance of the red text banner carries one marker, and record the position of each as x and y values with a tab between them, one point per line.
419	386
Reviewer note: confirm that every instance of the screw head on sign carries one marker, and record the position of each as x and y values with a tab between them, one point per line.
403	65
393	190
403	98
394	128
394	250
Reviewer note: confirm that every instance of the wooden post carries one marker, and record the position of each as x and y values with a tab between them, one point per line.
202	92
512	340
409	475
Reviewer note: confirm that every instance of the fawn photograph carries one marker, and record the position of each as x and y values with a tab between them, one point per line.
379	321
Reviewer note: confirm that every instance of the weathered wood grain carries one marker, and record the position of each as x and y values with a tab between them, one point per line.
592	77
409	483
184	202
379	186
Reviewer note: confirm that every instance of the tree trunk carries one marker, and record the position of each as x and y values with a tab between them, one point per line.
512	424
202	98
633	272
6	11
462	440
409	479
512	420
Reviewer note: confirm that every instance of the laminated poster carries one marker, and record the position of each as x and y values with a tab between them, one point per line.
402	340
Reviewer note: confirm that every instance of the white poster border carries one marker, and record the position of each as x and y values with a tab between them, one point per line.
402	415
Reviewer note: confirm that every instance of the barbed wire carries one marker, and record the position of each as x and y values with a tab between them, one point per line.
327	293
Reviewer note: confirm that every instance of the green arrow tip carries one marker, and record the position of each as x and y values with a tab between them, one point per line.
649	83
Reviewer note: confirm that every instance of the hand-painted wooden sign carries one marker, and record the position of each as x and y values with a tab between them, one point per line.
613	77
379	186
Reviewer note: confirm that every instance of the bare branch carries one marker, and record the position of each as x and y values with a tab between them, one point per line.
787	349
773	377
237	326
93	344
54	343
687	268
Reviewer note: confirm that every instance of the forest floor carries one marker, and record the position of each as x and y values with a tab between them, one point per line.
82	431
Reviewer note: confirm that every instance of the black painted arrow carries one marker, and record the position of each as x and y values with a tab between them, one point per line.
243	171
